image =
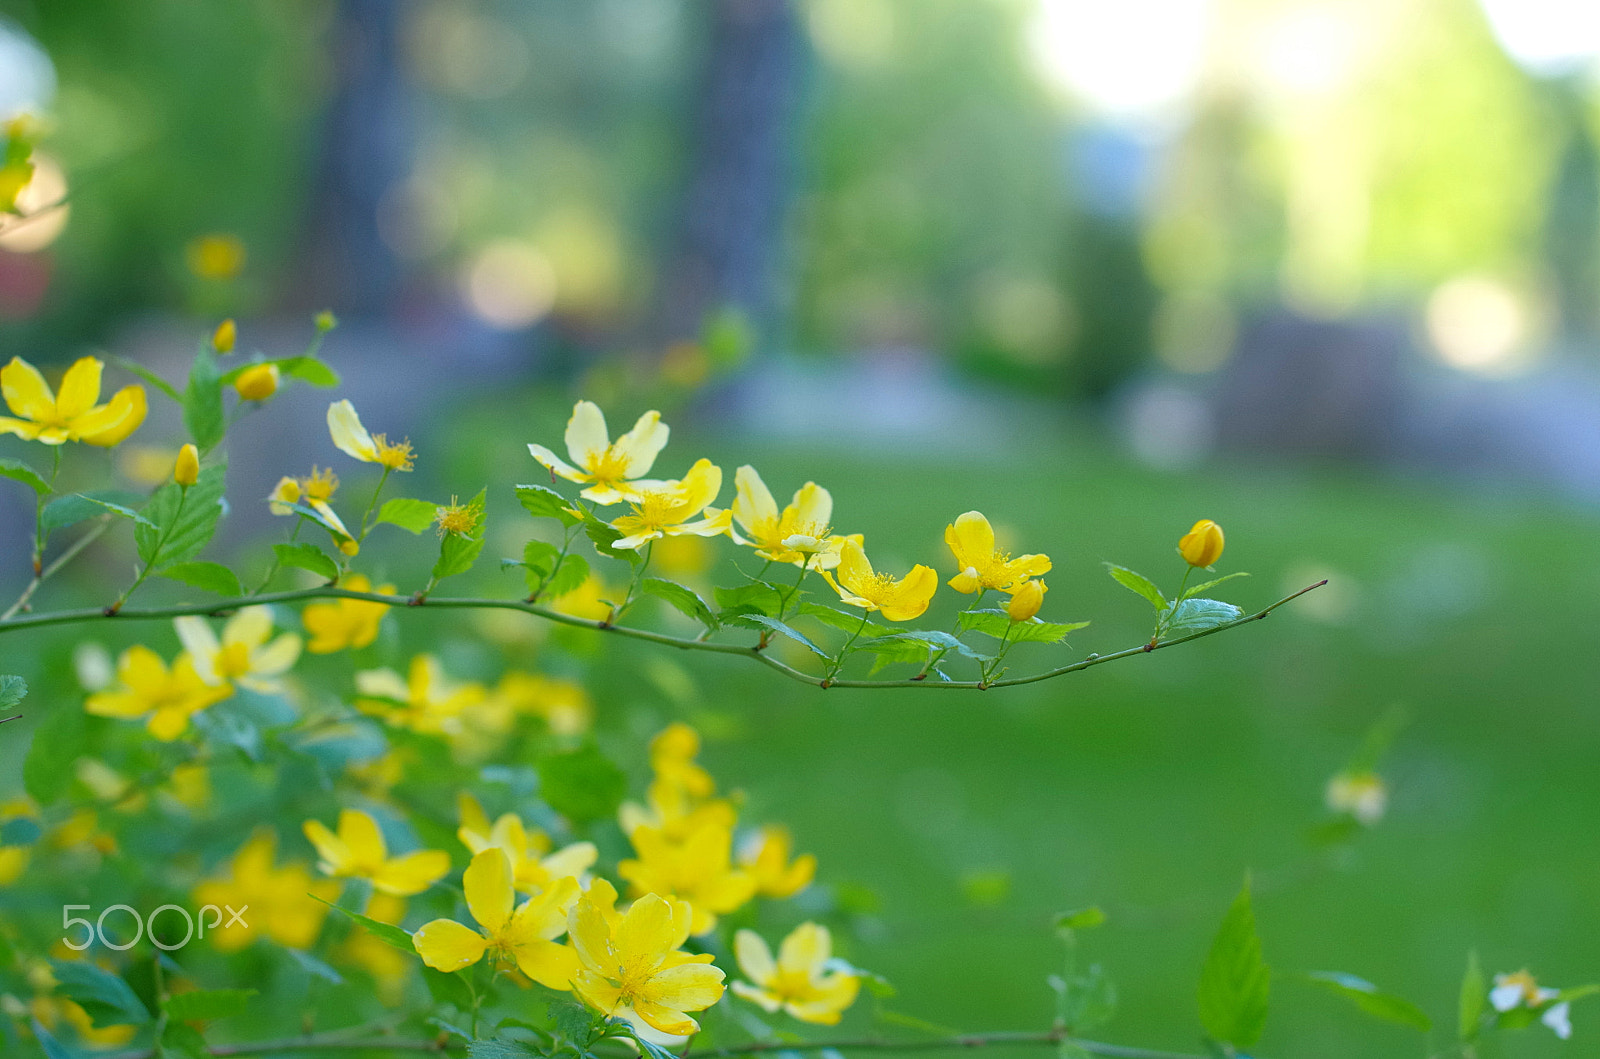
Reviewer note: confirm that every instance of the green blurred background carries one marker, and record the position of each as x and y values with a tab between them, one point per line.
1326	272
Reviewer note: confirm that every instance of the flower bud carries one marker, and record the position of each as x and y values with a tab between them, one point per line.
1202	545
349	546
326	321
187	470
1025	601
257	383
224	337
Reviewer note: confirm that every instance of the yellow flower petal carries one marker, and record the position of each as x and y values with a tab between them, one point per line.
666	1019
349	436
26	392
640	446
487	883
805	950
547	963
689	987
755	958
330	847
446	945
80	389
362	836
412	873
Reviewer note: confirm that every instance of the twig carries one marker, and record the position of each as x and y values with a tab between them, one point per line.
323	1042
943	1044
13	717
225	607
61	560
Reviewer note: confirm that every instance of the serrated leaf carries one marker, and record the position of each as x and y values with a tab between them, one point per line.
603	536
542	502
59	740
582	784
70	510
893	650
21	472
1195	590
998	624
390	935
843	620
209	577
202	401
1235	982
307	557
1138	584
204	1005
448	988
413	516
1197	615
309	369
539	557
781	628
148	376
1369	998
106	998
683	599
757	597
12	691
1474	995
573	572
458	551
498	1049
179	1040
179	524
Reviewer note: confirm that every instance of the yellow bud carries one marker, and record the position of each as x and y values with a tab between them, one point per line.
257	383
349	546
224	337
187	470
1025	601
1202	545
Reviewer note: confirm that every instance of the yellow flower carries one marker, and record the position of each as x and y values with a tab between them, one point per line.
343	623
314	491
244	655
219	255
257	383
663	509
680	797
277	897
359	852
352	439
225	336
696	869
799	981
523	935
1202	545
766	858
186	470
460	519
562	704
533	867
71	415
799	534
609	468
673	751
971	539
860	586
147	688
1026	599
424	701
630	965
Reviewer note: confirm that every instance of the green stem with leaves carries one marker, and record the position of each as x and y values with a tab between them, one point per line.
155	553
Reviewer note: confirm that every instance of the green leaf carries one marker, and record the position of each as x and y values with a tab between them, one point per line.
648	1048
209	577
1197	615
12	691
681	598
202	401
843	620
757	597
19	471
1369	998
1081	918
178	524
203	1005
148	376
388	934
53	1049
539	557
308	369
603	536
315	967
998	624
573	572
499	1049
107	999
542	502
1235	982
59	740
582	784
892	650
411	515
1195	590
1139	584
449	988
1088	1000
458	551
1474	996
70	510
1035	631
761	620
182	1041
307	557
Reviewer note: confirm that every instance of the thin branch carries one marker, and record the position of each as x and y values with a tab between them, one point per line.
226	607
944	1044
323	1042
13	717
61	560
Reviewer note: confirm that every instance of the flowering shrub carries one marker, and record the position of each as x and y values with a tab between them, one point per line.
479	868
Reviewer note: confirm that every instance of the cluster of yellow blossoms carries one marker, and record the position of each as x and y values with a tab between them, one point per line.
539	913
40	414
801	533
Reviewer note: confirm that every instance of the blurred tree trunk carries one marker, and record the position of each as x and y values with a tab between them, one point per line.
724	253
368	140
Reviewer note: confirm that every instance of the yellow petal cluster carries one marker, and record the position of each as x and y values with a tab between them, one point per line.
345	623
247	653
280	899
765	857
800	981
426	700
801	534
859	585
164	697
981	564
611	471
40	414
358	851
665	509
1202	545
535	866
